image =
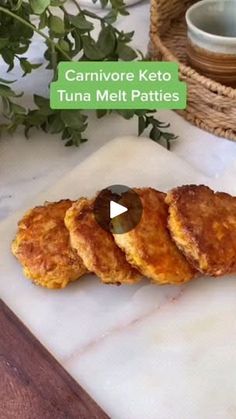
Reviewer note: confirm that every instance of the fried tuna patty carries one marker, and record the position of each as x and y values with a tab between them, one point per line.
203	225
42	246
149	246
96	246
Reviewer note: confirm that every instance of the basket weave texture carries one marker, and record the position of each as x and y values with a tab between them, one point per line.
211	106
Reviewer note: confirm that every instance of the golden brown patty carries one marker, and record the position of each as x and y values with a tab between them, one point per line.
203	225
149	246
42	246
97	246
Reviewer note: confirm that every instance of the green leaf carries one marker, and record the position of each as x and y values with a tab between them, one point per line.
125	52
56	25
111	16
57	3
127	36
8	57
73	119
89	13
126	113
39	6
78	43
155	134
141	125
17	5
6	91
6	105
106	41
141	112
22	49
3	42
123	11
76	138
100	113
117	3
80	22
65	134
36	118
55	123
27	67
104	3
7	81
18	109
43	20
169	136
43	104
64	45
69	143
91	50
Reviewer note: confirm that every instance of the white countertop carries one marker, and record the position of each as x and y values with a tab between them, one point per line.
29	166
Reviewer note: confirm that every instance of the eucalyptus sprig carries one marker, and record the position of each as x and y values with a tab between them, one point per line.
67	37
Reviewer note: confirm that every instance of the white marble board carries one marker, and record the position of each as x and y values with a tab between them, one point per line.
142	352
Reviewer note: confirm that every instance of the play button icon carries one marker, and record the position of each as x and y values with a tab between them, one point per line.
118	209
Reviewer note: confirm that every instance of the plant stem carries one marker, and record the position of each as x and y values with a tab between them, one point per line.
26	23
54	62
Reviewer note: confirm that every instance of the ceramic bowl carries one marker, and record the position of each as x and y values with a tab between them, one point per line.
211	46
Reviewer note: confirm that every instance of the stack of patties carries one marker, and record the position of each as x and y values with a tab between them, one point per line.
189	231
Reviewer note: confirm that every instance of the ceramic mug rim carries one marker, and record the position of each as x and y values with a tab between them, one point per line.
194	28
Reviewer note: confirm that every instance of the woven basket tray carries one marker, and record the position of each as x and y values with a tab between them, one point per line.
211	106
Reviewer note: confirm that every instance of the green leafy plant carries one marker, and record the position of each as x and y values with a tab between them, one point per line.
67	37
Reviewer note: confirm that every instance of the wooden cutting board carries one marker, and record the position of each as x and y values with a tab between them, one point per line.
33	384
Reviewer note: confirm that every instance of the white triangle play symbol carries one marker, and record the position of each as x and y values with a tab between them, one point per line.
116	209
